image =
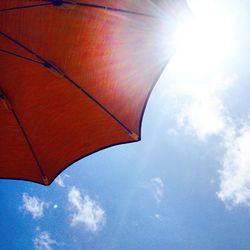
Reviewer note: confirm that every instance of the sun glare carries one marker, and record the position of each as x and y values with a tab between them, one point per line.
205	39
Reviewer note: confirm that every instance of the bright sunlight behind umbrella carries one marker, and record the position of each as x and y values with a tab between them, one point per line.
206	39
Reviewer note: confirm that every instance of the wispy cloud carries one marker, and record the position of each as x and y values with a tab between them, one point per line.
157	187
85	211
60	180
197	107
203	116
33	205
235	172
44	242
199	110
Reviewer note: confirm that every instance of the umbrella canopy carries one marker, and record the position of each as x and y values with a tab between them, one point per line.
75	77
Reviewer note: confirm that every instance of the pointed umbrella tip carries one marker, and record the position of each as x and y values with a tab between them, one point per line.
134	136
45	181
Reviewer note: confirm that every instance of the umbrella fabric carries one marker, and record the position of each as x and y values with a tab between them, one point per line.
75	77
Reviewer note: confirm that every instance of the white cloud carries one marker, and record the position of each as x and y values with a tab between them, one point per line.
196	106
85	211
235	172
33	205
202	115
44	242
157	188
60	180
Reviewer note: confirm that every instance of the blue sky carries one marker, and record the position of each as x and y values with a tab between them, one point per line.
186	185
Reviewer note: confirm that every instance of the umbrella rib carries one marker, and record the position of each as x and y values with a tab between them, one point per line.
11	108
98	103
90	5
21	45
51	66
97	6
25	7
20	56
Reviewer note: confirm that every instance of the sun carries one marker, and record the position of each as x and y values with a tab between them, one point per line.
205	39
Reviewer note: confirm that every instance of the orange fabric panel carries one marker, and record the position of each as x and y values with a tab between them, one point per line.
98	50
61	122
13	48
14	3
16	160
107	61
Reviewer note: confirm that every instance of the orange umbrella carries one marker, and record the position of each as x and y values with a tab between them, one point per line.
75	77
